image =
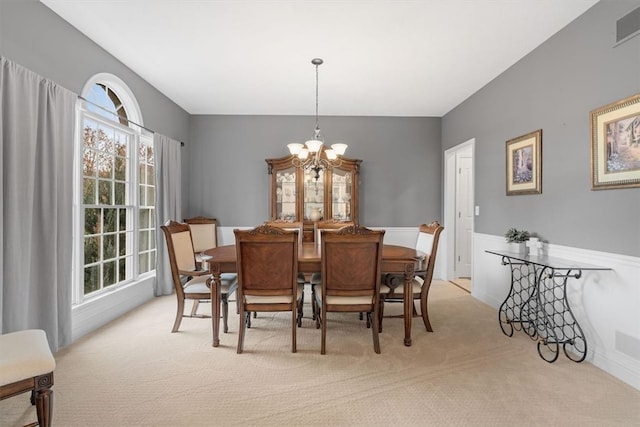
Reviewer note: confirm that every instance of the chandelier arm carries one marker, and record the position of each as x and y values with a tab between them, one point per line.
295	161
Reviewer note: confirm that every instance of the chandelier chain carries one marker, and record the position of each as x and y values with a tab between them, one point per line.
317	119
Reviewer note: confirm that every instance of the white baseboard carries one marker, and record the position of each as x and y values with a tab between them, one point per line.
605	303
97	312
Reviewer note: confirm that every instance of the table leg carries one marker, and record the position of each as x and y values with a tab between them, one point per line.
215	303
409	271
549	341
518	310
560	326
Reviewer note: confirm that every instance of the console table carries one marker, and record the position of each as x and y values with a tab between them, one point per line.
537	303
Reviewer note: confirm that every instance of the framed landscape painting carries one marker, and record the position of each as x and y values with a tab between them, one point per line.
615	145
524	164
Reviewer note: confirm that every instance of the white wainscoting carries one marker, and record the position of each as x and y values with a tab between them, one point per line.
402	236
605	303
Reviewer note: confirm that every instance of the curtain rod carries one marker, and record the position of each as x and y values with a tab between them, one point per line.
120	117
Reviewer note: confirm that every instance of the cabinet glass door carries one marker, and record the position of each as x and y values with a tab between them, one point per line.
296	195
313	208
341	181
286	194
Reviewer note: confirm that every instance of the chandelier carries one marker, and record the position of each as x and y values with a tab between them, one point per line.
309	155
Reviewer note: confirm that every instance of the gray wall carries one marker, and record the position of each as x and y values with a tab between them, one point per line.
35	37
400	178
554	88
224	170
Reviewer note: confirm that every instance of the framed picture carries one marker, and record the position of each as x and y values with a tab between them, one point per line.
524	164
615	145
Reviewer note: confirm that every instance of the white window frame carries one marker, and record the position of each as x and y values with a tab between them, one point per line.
132	204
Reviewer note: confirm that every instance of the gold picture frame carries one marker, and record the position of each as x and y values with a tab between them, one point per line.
524	164
615	144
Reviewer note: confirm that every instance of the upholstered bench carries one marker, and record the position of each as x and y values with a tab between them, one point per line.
26	364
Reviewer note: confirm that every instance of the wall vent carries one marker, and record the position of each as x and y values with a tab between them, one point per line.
628	26
627	344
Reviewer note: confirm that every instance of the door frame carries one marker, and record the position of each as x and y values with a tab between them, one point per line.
448	249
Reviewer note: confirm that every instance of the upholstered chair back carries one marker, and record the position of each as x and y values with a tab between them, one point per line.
183	247
204	232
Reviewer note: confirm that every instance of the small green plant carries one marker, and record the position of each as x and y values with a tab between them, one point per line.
516	236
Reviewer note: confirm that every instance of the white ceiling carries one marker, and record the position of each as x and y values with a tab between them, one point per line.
382	57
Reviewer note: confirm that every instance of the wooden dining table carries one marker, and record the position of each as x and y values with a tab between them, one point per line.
395	259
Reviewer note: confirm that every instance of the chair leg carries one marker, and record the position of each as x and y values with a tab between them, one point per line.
179	314
294	323
194	309
301	306
380	313
244	319
299	313
424	297
225	314
313	302
316	309
374	328
323	344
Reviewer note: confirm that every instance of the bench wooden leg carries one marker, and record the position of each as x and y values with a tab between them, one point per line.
44	399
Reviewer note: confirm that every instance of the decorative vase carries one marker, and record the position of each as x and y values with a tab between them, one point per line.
518	247
535	246
315	214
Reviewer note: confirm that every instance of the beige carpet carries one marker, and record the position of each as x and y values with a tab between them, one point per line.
134	372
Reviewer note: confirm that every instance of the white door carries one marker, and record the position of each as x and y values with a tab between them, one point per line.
464	216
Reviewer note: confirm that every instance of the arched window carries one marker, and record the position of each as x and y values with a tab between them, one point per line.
116	191
105	102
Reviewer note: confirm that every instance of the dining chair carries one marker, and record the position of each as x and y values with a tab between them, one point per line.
291	226
204	233
189	282
267	264
392	288
350	267
318	226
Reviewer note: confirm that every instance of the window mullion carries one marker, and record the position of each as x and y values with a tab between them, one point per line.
135	195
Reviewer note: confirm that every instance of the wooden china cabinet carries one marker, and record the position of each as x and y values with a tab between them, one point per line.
297	194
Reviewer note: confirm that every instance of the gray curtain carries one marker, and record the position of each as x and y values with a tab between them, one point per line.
37	119
168	203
